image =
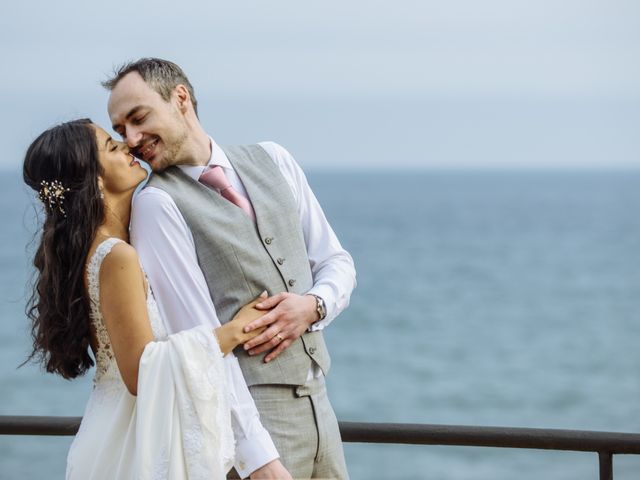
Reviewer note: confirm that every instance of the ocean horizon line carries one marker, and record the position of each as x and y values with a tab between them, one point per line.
395	169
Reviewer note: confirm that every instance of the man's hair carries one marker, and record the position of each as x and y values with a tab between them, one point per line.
161	75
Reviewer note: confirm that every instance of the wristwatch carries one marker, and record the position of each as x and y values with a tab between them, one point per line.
320	306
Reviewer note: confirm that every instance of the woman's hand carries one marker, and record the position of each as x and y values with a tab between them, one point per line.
232	334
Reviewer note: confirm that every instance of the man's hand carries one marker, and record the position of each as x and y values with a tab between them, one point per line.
273	470
291	316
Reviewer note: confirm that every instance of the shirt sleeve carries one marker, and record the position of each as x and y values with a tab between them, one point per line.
334	275
165	245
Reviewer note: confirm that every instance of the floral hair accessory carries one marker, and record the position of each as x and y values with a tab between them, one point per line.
52	195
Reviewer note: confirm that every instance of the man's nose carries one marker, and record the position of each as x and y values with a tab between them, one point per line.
132	137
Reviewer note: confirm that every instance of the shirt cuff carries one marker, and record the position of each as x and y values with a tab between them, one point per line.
253	453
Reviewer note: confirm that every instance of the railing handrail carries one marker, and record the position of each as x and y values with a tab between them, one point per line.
404	433
487	436
38	425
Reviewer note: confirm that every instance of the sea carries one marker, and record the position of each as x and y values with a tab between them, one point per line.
486	298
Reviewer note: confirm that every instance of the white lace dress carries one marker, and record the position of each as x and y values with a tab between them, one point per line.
179	425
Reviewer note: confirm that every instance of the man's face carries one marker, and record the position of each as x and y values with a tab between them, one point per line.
154	129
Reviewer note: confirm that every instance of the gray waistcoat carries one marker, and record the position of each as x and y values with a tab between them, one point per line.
240	258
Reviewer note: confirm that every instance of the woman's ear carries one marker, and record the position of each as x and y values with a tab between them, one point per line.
101	186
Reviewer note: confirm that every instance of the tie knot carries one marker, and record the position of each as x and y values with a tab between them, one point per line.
215	177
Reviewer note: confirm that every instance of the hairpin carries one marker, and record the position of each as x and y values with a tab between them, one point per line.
52	195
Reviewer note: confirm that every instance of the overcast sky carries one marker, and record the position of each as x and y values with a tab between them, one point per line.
350	84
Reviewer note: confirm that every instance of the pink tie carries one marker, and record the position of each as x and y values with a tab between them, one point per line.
216	178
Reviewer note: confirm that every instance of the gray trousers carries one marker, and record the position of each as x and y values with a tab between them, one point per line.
304	428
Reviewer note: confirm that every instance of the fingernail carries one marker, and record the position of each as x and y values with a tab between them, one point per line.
246	329
246	347
263	294
259	305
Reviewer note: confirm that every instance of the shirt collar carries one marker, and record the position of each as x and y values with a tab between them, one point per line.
218	157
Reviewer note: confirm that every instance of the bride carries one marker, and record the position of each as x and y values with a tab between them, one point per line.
158	408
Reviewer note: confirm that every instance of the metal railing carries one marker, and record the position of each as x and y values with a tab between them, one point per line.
605	444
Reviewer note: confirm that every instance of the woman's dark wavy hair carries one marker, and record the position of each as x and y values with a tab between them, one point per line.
59	306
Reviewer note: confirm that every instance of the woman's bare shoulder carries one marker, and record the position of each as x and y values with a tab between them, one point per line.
121	259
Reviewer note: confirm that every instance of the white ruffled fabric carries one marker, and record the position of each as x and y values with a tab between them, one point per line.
190	364
179	425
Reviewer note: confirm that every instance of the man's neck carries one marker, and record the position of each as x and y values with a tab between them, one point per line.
196	150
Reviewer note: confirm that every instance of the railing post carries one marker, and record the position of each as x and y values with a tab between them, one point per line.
606	465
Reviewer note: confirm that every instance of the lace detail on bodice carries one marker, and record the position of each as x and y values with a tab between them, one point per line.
106	366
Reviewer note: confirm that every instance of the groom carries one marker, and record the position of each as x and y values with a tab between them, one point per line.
214	228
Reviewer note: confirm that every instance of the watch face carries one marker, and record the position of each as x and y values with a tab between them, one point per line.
322	310
320	307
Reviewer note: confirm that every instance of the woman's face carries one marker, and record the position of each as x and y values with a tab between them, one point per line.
121	171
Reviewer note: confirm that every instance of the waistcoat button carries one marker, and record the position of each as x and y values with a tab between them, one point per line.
280	261
292	282
268	240
312	350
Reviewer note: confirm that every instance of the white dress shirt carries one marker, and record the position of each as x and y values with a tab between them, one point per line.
167	250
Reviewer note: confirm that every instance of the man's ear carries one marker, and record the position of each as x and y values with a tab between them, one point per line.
182	96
